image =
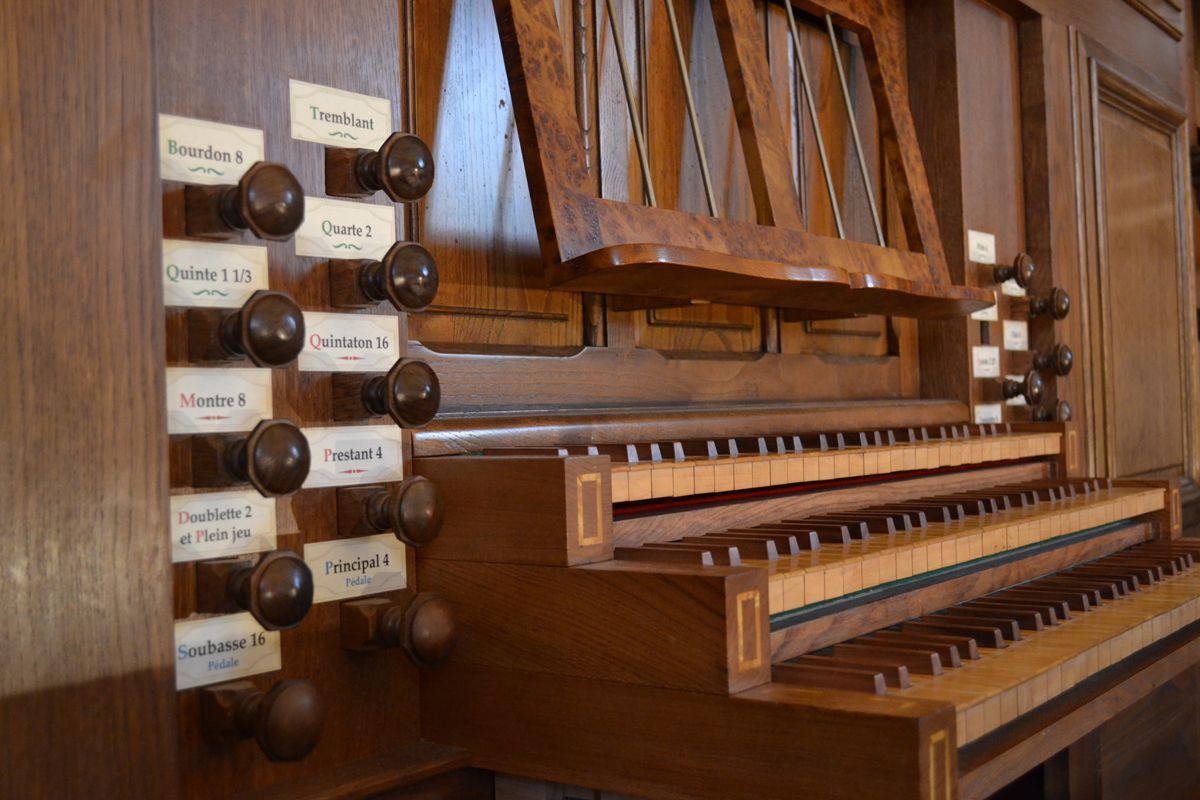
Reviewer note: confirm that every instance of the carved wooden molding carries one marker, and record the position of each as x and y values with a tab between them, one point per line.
1160	13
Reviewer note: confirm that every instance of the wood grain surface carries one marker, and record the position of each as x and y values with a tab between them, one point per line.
87	666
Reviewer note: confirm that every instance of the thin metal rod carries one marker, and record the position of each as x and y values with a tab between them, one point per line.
634	118
691	107
812	112
862	161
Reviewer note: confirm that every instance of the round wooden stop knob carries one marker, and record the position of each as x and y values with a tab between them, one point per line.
1021	270
277	591
402	168
1057	305
286	721
426	628
407	277
1059	360
1059	412
409	393
268	200
1031	387
412	509
268	328
274	458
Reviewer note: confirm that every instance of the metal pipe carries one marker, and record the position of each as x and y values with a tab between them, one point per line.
634	117
812	111
691	107
862	161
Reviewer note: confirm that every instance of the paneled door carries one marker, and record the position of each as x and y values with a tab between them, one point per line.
1137	253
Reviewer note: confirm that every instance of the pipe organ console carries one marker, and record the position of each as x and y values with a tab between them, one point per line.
599	399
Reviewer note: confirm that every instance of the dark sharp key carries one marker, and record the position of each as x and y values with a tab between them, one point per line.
1009	627
952	649
934	512
1077	599
726	556
854	531
1057	608
833	534
748	548
1027	619
902	521
1017	499
807	540
922	662
855	680
1127	581
966	506
1124	572
1166	564
992	503
1046	612
1157	569
984	635
916	517
786	544
1096	589
894	673
1148	574
869	523
856	527
662	555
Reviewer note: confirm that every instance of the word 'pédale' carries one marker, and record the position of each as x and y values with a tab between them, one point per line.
357	571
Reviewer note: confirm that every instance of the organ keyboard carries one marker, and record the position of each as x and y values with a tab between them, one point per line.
1010	651
655	470
934	586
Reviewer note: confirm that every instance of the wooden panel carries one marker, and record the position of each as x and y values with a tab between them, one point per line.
1122	29
1163	729
701	629
1140	294
406	772
1166	14
86	701
1138	256
989	96
522	509
990	110
688	330
772	741
477	220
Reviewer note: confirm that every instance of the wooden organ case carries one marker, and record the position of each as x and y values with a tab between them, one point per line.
600	399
